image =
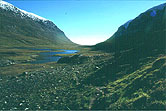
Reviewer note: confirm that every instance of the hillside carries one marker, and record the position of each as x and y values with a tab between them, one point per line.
135	78
20	28
145	33
126	72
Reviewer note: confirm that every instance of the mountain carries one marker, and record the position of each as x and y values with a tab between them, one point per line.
134	78
128	74
18	27
146	32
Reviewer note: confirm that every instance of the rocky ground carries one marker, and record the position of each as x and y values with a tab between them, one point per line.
96	81
4	63
56	88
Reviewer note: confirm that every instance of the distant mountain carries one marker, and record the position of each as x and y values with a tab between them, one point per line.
18	27
146	32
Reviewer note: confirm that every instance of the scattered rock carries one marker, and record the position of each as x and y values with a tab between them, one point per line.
4	63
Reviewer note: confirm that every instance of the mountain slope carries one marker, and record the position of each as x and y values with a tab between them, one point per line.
145	32
18	27
129	78
135	77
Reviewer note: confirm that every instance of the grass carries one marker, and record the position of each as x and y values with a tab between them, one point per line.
134	90
64	55
88	85
21	58
131	76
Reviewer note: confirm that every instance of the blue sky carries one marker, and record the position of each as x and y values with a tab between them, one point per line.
87	22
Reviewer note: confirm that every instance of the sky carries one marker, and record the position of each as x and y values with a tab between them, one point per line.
87	22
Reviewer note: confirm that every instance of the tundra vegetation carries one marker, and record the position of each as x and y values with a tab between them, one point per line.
125	72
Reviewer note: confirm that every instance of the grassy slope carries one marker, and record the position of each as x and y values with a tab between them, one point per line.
135	77
128	79
144	88
96	82
144	33
16	31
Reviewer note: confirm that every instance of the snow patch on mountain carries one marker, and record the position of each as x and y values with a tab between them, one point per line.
153	13
127	24
154	10
8	6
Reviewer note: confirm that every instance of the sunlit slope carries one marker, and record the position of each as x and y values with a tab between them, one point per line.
18	27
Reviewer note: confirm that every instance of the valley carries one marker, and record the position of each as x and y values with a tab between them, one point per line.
41	69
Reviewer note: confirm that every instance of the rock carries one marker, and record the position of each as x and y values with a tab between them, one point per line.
4	63
25	72
77	72
97	67
26	108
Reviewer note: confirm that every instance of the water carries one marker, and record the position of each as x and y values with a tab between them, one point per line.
45	57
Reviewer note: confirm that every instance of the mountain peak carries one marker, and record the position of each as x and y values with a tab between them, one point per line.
156	8
7	6
159	7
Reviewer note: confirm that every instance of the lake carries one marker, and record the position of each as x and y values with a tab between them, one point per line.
45	57
49	55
